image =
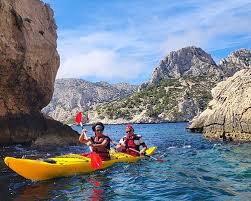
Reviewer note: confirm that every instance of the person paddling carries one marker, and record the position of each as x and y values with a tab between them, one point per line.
131	142
100	143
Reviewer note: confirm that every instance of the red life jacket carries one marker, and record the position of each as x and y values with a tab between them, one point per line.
102	152
130	143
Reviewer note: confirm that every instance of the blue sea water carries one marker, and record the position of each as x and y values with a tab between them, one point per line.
194	169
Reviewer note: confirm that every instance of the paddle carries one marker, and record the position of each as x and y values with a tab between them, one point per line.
96	161
156	159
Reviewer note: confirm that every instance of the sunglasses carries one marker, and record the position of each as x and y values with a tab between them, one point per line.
128	131
98	130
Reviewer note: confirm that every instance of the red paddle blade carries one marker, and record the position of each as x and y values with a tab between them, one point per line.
78	118
96	161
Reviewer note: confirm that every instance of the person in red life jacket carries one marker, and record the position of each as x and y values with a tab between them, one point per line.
100	143
131	142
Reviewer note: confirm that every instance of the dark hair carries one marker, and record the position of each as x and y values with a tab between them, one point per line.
98	124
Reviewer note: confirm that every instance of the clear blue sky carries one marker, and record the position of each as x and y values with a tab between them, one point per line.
123	40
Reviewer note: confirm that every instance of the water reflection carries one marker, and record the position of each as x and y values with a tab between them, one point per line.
94	187
101	186
35	191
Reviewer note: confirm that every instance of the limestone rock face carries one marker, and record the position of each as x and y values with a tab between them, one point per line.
73	95
180	88
28	65
238	60
171	101
28	57
228	115
186	61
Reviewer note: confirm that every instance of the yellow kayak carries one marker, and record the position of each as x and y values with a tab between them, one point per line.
65	165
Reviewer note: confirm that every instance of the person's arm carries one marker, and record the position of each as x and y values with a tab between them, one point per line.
121	144
82	138
103	144
143	144
143	151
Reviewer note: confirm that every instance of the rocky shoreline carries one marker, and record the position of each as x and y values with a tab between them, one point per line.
35	130
135	123
228	115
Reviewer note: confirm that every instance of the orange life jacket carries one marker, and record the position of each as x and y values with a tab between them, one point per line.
132	142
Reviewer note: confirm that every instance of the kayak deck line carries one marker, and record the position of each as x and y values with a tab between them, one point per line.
65	165
49	161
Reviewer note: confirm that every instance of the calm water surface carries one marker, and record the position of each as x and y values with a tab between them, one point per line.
195	169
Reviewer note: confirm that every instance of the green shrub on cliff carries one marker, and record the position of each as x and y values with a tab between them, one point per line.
164	97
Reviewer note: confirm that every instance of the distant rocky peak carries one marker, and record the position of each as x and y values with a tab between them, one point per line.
241	56
71	81
237	60
71	95
186	61
103	84
125	86
122	84
241	53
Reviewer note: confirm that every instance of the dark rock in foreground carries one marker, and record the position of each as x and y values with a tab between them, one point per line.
36	130
28	65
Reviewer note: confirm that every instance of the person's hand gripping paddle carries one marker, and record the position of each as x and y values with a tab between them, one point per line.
96	161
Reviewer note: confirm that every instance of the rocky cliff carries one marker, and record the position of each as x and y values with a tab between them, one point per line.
73	95
28	65
238	60
170	101
228	115
179	89
188	61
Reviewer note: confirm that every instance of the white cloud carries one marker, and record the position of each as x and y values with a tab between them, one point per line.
132	51
103	55
98	63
